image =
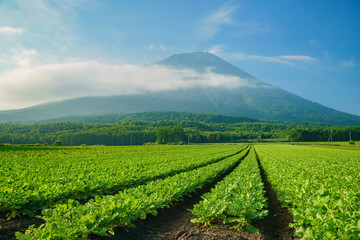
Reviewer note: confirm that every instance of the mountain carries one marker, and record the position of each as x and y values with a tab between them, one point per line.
203	61
255	99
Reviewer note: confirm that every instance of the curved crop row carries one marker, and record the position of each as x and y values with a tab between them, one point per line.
98	216
238	199
320	186
33	178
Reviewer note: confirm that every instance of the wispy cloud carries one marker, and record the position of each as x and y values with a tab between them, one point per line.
18	57
162	47
6	30
51	16
226	16
248	28
284	59
31	84
216	49
298	58
153	47
313	42
348	63
48	24
211	24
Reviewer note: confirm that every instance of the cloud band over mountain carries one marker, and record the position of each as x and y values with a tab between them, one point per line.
35	84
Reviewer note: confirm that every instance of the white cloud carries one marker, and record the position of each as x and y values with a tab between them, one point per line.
313	42
162	47
6	30
248	28
48	24
34	84
18	57
285	59
298	58
216	49
223	16
211	25
348	64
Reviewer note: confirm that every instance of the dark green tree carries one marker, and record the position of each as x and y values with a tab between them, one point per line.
170	134
58	143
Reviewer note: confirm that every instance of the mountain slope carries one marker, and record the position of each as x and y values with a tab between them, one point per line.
153	116
203	61
259	100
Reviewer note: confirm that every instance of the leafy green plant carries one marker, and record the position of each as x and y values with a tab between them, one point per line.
34	178
73	220
237	200
319	185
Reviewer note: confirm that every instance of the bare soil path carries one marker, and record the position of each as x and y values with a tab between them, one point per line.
8	228
276	224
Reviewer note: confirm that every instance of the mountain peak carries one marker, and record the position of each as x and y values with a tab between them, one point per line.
203	61
198	61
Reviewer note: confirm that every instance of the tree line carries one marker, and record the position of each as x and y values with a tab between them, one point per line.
138	132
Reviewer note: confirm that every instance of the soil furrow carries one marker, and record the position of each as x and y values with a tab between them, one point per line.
8	228
276	224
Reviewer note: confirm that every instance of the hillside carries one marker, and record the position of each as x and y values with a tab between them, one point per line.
152	117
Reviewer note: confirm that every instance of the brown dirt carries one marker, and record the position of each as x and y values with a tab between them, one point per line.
8	228
276	224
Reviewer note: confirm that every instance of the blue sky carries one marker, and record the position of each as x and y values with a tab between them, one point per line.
53	50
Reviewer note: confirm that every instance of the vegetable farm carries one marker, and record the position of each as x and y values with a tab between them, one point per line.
239	198
94	192
319	185
33	179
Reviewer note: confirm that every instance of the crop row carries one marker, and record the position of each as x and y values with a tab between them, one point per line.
238	199
33	178
98	216
320	186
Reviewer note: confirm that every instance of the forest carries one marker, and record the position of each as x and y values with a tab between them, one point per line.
149	128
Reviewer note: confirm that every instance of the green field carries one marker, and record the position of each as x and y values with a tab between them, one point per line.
319	184
333	144
37	177
90	190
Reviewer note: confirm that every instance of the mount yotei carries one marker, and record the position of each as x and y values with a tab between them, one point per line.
237	93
